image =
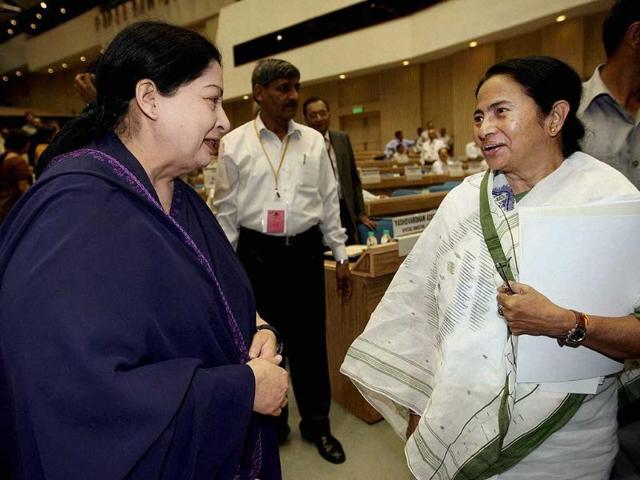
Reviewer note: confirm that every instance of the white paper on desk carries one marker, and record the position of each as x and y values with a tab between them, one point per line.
580	259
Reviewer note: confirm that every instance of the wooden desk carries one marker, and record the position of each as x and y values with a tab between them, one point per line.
386	163
372	274
403	205
386	186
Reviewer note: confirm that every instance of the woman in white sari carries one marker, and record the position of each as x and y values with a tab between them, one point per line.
437	358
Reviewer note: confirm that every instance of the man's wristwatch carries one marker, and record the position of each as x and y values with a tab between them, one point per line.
279	344
577	334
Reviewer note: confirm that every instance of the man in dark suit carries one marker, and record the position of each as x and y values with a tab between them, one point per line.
317	115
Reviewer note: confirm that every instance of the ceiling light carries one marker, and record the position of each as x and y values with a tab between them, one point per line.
43	5
5	78
39	16
64	65
10	31
279	37
342	76
405	63
50	70
246	97
63	10
473	44
33	26
83	58
13	22
18	73
561	18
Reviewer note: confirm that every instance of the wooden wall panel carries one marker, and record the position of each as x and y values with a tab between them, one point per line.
437	93
521	46
364	131
400	102
594	53
565	41
468	68
359	90
239	112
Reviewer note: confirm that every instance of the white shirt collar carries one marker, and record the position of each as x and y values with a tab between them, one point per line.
593	88
292	128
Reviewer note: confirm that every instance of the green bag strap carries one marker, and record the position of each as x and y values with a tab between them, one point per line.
489	229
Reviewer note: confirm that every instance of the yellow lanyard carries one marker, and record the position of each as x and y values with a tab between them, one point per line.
276	173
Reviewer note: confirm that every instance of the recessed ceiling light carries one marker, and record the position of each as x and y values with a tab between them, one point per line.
13	22
5	78
18	73
39	16
43	5
473	44
279	37
405	63
246	97
561	18
101	51
33	26
63	10
83	58
50	70
342	76
64	65
10	31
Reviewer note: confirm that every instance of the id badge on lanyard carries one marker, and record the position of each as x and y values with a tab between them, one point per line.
274	217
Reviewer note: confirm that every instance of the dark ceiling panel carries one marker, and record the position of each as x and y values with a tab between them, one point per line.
348	19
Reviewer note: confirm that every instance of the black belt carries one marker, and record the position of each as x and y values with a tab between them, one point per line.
308	237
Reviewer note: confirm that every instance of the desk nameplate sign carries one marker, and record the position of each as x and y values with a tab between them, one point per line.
369	176
413	223
413	173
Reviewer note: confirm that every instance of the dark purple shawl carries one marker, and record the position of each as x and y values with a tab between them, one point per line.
123	332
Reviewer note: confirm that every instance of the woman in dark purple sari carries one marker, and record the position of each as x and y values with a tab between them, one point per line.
128	339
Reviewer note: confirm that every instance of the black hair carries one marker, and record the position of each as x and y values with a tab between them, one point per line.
16	140
617	22
270	69
168	55
313	100
397	133
547	80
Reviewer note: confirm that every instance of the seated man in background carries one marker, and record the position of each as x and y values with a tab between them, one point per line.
390	148
430	146
441	166
446	138
400	154
472	151
343	164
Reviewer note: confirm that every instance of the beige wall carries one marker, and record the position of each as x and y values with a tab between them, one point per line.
441	90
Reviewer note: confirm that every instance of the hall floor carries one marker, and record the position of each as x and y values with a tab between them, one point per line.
374	452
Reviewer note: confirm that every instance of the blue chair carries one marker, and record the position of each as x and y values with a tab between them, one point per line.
444	187
383	223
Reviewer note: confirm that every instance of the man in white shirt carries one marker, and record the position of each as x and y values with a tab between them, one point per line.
343	164
611	97
473	151
390	147
430	146
277	201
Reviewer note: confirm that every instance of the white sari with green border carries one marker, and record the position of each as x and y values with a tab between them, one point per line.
436	346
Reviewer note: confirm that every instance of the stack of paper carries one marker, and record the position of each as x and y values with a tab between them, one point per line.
584	258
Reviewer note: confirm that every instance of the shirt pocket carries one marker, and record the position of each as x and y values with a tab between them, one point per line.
308	173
